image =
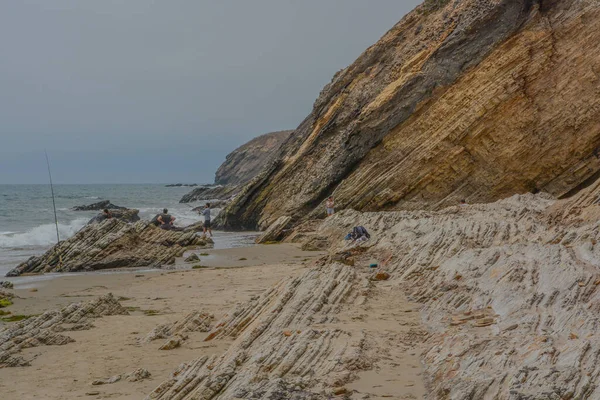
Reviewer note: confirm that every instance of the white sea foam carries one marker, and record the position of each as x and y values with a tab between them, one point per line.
43	235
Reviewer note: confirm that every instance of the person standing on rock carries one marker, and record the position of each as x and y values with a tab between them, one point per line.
329	205
166	220
206	213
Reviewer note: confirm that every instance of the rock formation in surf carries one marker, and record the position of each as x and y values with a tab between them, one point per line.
113	244
461	99
239	167
48	329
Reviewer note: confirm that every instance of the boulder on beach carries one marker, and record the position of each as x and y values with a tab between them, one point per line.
113	244
99	206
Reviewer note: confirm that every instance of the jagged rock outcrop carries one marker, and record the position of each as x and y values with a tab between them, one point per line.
463	99
48	328
245	162
510	296
123	214
99	206
113	244
275	232
277	353
196	321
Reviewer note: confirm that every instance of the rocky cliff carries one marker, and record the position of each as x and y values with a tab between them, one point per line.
240	167
462	99
245	162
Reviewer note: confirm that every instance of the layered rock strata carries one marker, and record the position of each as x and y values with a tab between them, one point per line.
247	161
465	99
48	329
511	298
218	192
283	347
113	244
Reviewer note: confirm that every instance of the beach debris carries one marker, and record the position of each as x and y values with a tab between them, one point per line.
196	321
192	258
46	329
113	244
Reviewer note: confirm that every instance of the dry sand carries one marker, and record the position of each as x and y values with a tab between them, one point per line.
228	277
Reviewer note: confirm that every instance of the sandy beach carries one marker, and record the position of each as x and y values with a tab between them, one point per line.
227	277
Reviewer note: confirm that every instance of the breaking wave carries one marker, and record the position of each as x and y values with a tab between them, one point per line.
43	235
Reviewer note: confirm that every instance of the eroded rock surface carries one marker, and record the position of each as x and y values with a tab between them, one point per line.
48	329
113	244
196	321
283	346
222	193
470	99
245	162
510	296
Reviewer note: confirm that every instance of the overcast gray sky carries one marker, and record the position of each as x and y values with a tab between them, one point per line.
143	91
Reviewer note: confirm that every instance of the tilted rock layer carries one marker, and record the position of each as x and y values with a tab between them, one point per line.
473	99
112	244
48	329
245	162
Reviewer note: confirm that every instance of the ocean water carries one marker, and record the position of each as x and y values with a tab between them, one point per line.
27	219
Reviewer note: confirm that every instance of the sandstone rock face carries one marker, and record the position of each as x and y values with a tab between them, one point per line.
245	162
112	244
462	99
274	354
196	321
510	296
48	328
275	231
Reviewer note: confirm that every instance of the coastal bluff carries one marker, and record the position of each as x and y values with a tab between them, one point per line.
240	167
467	99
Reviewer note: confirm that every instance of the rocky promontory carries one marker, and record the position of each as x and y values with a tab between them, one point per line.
113	244
466	99
248	160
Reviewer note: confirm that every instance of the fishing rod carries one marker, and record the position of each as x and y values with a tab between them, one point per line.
53	201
